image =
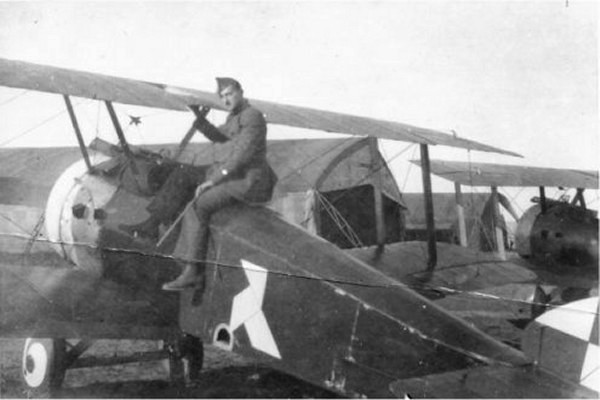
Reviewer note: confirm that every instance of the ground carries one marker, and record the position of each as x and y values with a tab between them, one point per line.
225	375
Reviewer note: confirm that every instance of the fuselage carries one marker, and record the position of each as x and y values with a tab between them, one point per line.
274	291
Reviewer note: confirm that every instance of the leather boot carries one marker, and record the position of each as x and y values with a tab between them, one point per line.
147	229
189	278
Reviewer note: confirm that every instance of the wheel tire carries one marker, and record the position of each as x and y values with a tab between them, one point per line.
193	352
43	366
176	366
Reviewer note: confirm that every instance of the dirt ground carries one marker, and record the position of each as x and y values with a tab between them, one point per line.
224	375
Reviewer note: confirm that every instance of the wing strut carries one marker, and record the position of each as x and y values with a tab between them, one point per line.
376	168
121	135
82	147
543	203
426	173
200	113
497	234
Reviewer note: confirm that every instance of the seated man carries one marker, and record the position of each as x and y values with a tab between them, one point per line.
244	176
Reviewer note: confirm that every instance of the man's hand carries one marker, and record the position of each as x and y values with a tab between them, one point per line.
200	113
201	123
204	187
204	110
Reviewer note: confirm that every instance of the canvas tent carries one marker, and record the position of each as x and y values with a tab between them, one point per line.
328	186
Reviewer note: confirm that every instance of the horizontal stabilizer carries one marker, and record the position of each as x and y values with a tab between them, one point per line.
483	174
20	74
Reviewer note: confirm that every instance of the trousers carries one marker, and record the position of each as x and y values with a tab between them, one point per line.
192	244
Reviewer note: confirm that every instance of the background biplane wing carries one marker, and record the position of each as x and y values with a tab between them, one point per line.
19	74
484	174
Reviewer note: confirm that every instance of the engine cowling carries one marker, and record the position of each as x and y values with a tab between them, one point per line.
75	214
564	234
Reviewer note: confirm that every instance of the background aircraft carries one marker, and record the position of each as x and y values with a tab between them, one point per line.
559	247
559	236
274	291
550	231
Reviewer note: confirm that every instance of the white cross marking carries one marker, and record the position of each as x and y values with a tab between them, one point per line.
247	310
577	319
589	371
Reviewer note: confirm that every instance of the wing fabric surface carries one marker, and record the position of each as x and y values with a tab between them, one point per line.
482	174
20	74
309	118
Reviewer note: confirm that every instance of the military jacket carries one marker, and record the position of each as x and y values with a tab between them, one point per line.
245	170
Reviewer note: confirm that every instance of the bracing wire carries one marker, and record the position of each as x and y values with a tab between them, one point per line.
27	131
13	222
340	222
409	169
13	98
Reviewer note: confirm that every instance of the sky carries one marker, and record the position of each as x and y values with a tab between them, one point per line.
522	76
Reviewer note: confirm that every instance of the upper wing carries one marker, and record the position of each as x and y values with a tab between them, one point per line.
45	78
482	174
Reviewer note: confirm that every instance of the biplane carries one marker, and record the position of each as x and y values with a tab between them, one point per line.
276	290
483	281
559	237
550	231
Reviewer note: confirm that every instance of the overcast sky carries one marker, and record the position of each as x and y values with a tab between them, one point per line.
517	75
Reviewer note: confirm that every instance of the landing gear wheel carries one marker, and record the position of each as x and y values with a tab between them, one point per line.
43	366
192	350
176	368
186	357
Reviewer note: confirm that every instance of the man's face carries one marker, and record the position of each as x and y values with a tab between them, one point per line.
231	97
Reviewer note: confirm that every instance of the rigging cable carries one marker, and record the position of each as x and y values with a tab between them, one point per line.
409	170
13	98
27	131
340	221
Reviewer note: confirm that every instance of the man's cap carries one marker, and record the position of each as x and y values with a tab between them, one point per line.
224	83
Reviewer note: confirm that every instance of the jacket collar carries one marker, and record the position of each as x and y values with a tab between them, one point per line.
241	107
